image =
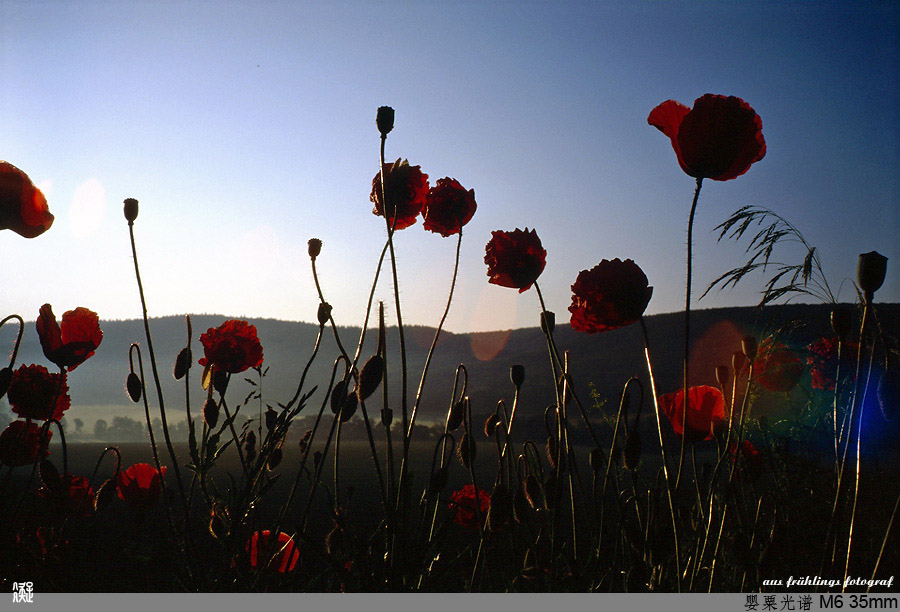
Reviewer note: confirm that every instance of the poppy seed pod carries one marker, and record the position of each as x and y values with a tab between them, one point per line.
133	386
748	346
870	272
182	363
841	322
211	413
131	209
324	313
370	377
5	378
314	247
384	120
517	374
722	375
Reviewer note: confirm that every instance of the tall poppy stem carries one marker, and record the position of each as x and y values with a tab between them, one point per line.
687	323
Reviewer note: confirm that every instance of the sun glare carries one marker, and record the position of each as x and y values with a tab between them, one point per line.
88	208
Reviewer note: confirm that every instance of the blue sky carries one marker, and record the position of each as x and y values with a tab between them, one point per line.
247	128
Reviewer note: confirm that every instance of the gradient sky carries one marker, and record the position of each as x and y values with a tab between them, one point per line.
245	129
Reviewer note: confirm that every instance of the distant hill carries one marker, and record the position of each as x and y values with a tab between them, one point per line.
604	361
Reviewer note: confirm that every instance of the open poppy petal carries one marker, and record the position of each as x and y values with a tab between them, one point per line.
23	208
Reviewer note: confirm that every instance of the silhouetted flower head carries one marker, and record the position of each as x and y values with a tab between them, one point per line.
35	393
232	347
72	343
610	295
23	208
261	547
463	502
384	120
822	360
140	486
405	187
514	259
706	412
718	139
24	443
448	207
776	368
72	494
870	271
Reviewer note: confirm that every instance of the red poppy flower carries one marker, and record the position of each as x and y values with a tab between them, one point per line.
231	347
718	139
24	443
776	368
610	295
706	411
751	458
448	207
73	343
260	551
514	259
140	486
822	361
406	188
23	208
74	494
463	501
35	393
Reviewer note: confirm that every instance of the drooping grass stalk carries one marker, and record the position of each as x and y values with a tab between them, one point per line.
687	325
662	449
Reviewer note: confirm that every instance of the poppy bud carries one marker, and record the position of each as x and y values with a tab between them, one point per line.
466	450
520	506
218	521
250	440
50	476
500	512
334	541
632	452
105	494
304	441
220	380
5	378
455	417
490	424
841	322
275	458
324	313
182	363
517	374
889	394
370	377
314	247
438	481
596	459
531	487
338	393
384	120
550	491
548	321
748	346
387	417
211	413
271	419
738	362
133	386
131	209
552	450
722	375
870	272
348	407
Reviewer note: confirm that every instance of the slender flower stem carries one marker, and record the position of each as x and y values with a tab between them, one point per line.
687	324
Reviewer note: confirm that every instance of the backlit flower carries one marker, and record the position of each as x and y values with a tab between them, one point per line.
706	412
448	207
232	347
140	486
23	443
23	208
822	360
514	259
35	393
463	502
260	548
405	188
612	294
718	139
75	341
776	368
73	494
